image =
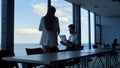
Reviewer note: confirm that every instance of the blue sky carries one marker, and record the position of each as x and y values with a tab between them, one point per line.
28	14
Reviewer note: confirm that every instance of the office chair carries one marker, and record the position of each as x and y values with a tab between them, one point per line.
113	54
99	57
7	64
31	51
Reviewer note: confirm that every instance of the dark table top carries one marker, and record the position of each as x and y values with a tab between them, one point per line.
53	57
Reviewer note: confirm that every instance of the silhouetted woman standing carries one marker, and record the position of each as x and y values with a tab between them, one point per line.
49	25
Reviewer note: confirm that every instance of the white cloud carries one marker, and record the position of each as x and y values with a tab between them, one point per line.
27	35
64	27
27	31
62	13
54	0
63	19
0	38
39	9
68	9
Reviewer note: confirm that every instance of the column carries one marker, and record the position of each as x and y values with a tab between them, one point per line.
7	24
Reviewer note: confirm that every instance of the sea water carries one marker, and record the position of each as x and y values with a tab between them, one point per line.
19	49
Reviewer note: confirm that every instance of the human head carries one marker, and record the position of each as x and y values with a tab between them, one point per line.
51	11
50	18
71	28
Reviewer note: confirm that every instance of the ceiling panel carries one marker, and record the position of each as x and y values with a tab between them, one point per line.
102	7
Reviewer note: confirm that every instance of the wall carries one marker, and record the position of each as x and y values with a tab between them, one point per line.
110	29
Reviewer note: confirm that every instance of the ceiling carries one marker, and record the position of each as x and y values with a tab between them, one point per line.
101	7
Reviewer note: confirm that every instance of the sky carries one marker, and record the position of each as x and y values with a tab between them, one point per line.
29	12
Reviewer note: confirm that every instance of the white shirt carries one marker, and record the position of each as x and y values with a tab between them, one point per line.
49	38
73	38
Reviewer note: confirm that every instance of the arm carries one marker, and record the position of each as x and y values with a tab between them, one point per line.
41	24
70	43
67	43
63	43
57	26
74	43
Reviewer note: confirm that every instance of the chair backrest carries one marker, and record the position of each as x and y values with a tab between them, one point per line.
95	46
107	46
115	43
30	51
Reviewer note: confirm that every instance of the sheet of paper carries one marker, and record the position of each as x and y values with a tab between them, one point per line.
62	37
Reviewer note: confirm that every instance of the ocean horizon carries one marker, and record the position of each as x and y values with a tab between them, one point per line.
19	49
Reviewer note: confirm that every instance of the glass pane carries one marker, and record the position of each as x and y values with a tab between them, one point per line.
84	28
98	19
92	28
27	19
0	24
64	13
98	30
97	34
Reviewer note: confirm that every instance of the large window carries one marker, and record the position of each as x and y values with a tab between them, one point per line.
92	25
0	24
98	30
85	37
84	28
27	19
64	13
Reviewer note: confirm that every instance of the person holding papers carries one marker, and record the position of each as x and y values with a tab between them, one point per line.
72	43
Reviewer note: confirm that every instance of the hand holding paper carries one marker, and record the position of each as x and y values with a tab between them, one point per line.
63	37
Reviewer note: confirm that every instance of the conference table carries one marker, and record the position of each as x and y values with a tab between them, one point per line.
49	58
